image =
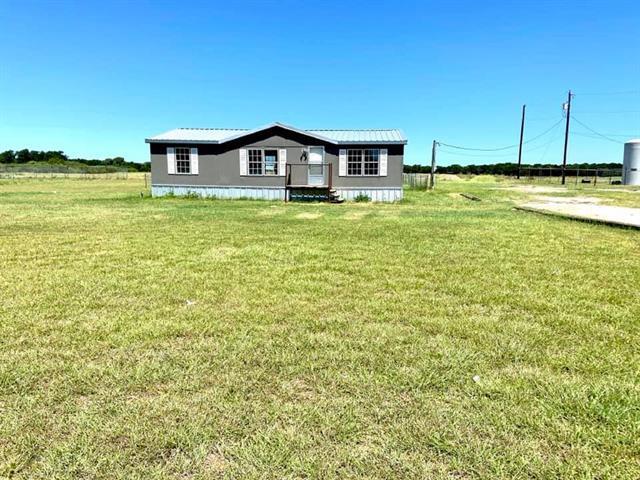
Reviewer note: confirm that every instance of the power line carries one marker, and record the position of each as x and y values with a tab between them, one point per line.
597	133
545	132
591	135
554	139
489	153
587	135
607	112
540	119
478	149
457	147
486	155
502	155
628	92
626	135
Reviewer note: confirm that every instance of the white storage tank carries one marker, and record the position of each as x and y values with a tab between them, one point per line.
631	163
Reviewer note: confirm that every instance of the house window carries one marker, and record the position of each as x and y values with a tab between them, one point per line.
183	160
255	162
271	162
371	161
263	162
363	162
354	162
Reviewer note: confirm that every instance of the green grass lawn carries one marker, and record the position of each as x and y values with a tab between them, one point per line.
184	338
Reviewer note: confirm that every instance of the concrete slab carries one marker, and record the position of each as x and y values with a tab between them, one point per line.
611	215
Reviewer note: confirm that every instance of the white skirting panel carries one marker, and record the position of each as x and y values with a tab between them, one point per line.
258	193
375	194
391	194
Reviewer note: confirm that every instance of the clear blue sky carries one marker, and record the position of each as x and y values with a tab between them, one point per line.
95	78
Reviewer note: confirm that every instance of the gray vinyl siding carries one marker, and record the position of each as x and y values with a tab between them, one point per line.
220	168
219	165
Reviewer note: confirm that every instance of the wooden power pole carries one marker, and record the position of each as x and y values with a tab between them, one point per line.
524	108
566	139
432	182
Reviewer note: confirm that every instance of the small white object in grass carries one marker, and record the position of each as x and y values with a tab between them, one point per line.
188	303
476	378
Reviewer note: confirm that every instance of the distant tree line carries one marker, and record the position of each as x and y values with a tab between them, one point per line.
59	158
505	168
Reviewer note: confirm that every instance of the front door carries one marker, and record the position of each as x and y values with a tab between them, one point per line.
316	166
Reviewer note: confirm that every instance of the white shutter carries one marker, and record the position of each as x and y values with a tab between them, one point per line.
282	162
342	163
243	161
195	164
171	160
383	162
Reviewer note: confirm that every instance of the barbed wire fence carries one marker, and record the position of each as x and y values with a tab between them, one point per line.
578	177
574	176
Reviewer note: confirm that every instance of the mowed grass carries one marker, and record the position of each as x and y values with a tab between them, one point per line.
184	338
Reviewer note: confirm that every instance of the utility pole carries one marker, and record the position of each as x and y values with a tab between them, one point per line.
566	137
524	108
432	182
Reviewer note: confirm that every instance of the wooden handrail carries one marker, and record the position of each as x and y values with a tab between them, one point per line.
289	172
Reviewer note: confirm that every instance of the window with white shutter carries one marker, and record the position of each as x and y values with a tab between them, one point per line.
183	160
366	162
265	161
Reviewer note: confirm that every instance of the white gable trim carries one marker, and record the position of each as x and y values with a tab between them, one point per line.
274	125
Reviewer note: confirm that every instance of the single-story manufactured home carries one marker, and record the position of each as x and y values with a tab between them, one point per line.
278	162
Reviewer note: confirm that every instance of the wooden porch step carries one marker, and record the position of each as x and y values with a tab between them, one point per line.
311	193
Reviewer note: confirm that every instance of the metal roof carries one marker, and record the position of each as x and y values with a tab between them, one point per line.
362	136
222	135
206	135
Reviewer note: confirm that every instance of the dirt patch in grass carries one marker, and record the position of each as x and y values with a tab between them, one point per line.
271	211
355	215
215	462
298	389
308	215
388	214
219	252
